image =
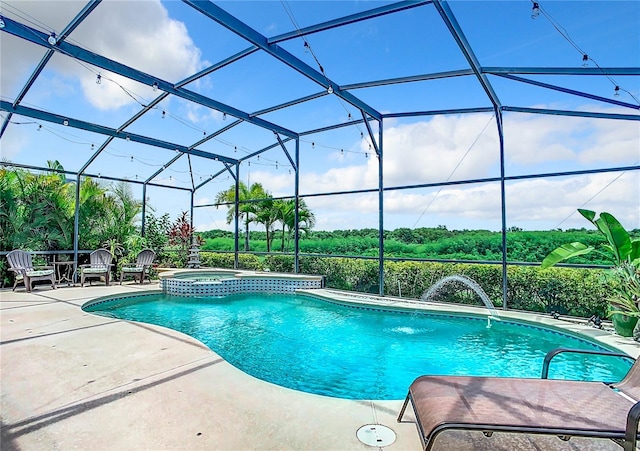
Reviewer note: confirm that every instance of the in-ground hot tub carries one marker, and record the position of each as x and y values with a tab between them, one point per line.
221	282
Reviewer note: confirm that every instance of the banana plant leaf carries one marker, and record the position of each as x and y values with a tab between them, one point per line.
616	235
565	252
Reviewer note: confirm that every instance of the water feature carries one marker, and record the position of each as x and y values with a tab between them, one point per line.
470	283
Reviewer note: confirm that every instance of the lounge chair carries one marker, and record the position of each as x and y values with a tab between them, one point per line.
21	264
99	265
144	260
531	406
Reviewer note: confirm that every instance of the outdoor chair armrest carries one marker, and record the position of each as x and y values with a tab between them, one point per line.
631	432
554	352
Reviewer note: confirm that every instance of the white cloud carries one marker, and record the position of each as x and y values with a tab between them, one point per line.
537	139
443	148
14	140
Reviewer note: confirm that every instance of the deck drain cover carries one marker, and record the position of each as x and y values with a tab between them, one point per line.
376	435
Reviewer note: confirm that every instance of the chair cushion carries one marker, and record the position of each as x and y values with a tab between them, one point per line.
94	270
132	269
40	273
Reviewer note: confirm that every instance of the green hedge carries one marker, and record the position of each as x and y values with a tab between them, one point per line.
572	291
225	260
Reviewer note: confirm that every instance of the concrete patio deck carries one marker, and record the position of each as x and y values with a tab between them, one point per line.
73	380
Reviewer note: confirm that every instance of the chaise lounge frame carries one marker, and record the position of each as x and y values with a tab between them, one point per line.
531	406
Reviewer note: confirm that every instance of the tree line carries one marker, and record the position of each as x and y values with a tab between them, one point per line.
437	243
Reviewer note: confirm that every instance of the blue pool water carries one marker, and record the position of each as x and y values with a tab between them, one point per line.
307	344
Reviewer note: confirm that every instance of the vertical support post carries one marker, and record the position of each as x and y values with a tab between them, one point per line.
191	217
380	212
236	217
144	209
76	227
296	258
503	206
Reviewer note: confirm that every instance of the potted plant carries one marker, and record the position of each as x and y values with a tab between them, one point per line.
624	298
624	254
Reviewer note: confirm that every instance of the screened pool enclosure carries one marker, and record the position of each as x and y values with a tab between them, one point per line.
467	114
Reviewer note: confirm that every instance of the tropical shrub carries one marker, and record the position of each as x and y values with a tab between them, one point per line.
156	235
180	236
226	260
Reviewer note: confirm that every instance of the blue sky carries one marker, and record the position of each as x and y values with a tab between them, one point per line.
172	41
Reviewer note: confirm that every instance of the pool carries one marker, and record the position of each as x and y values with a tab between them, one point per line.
308	344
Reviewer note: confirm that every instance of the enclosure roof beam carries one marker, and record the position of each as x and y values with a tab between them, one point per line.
624	117
233	24
220	172
286	152
96	176
409	79
290	103
347	20
370	132
562	70
570	91
219	65
333	127
39	38
258	152
487	109
164	166
458	35
107	131
216	133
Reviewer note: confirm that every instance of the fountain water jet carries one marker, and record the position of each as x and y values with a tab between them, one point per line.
493	313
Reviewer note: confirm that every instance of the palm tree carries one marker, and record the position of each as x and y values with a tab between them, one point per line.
247	211
93	214
286	215
267	215
124	213
36	211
